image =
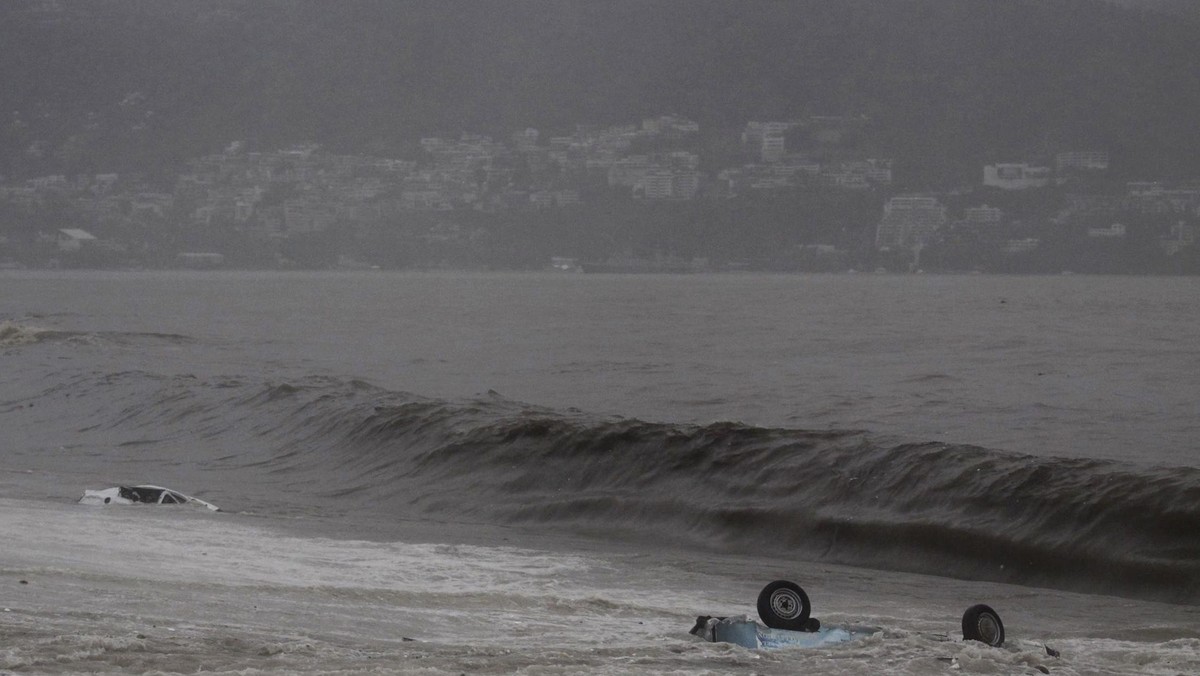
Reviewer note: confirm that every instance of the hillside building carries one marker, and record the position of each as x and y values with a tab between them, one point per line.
909	221
1015	176
983	215
1081	161
1182	235
74	239
1116	230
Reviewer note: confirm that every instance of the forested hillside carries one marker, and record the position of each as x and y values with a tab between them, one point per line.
122	84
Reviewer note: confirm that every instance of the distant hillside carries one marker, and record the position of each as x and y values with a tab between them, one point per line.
119	84
1185	8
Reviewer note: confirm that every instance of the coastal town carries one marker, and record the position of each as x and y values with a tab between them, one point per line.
806	194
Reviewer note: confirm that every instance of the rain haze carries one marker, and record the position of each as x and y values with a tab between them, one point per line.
515	336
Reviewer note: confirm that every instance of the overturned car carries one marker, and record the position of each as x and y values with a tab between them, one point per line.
144	494
786	611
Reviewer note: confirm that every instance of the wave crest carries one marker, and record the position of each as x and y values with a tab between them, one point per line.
13	334
835	495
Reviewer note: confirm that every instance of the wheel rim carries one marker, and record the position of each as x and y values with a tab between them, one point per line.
989	628
786	604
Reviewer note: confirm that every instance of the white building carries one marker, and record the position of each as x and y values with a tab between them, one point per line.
685	184
1090	161
1081	160
73	239
909	221
1182	235
1113	231
767	138
1015	176
983	215
773	147
628	171
658	184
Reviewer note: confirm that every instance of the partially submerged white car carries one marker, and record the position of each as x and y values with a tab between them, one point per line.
144	495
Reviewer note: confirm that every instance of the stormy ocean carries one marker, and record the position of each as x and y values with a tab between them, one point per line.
444	473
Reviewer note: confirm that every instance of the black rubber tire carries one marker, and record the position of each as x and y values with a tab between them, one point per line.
784	605
981	623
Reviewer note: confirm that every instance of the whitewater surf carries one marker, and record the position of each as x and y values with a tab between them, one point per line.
504	533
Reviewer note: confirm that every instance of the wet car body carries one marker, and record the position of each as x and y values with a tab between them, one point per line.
144	494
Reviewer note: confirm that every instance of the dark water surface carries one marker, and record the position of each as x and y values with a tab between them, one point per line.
1032	430
1095	367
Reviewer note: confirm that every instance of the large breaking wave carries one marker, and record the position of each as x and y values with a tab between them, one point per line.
840	496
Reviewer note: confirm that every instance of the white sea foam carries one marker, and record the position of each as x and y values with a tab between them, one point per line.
13	334
156	590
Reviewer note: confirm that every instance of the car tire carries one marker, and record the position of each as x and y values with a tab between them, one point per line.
784	605
981	623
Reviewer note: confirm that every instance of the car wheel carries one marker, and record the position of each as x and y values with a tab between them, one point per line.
981	623
784	605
